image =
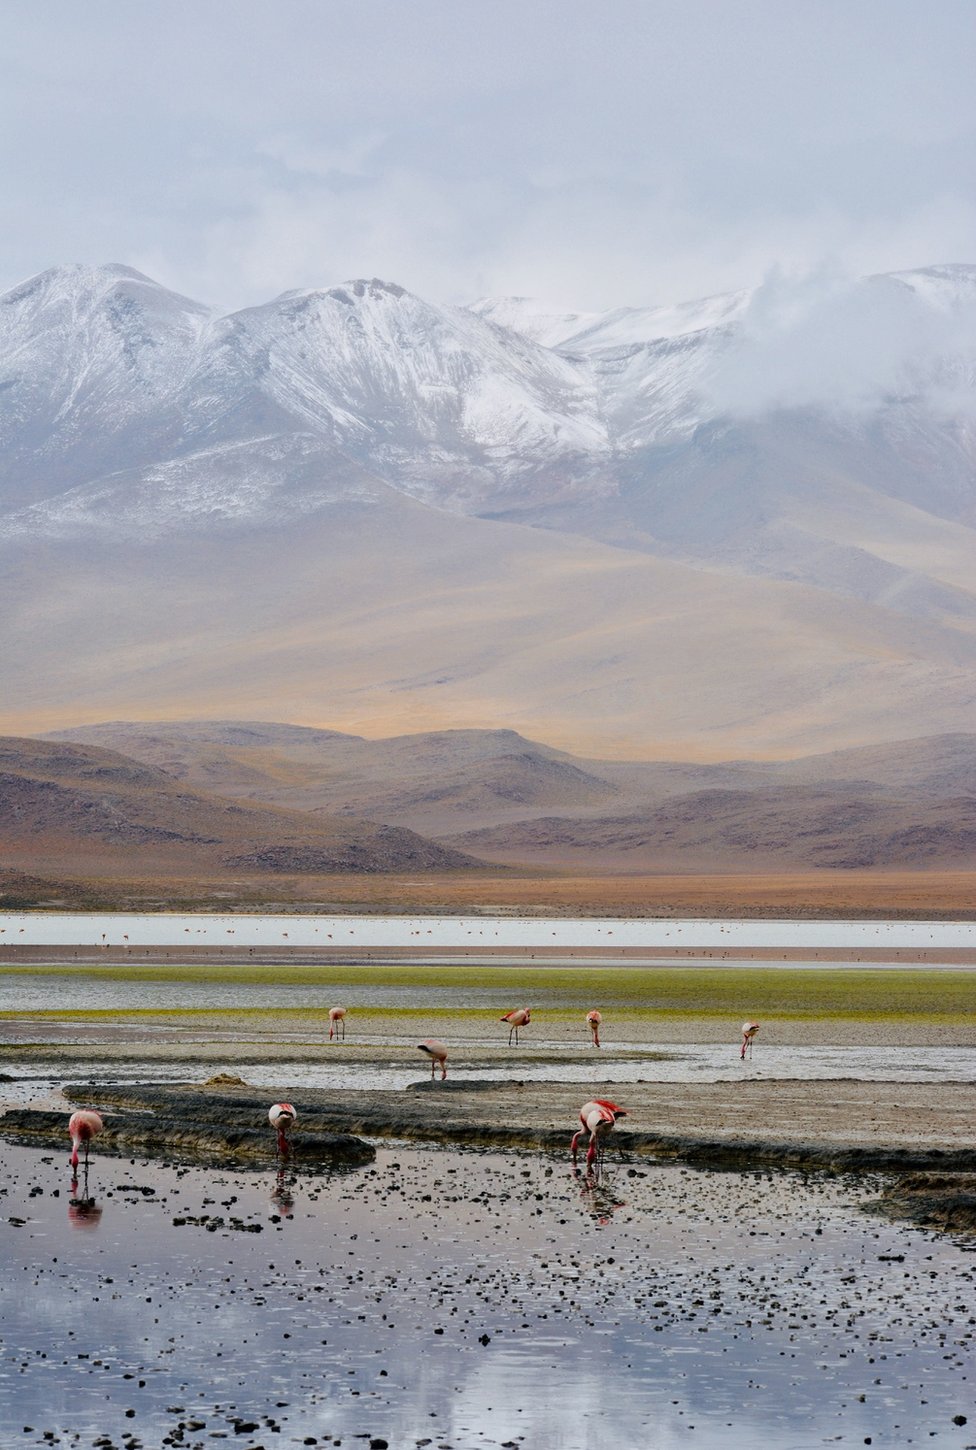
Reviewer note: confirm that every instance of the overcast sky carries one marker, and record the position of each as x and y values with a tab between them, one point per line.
589	153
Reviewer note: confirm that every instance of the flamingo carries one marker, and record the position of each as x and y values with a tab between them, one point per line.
519	1018
749	1030
596	1118
594	1019
437	1052
83	1126
281	1116
337	1019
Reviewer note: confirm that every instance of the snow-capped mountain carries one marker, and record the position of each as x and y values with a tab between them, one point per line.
801	455
497	409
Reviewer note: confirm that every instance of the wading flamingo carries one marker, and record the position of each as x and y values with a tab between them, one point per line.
337	1019
437	1052
519	1018
83	1126
596	1118
749	1030
594	1019
282	1116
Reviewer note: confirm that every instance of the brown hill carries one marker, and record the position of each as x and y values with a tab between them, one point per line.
83	810
434	782
769	830
911	803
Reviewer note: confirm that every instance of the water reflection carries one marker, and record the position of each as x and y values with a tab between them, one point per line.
599	1311
599	1195
83	1211
283	1194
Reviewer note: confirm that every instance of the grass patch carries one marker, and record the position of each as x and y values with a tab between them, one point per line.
930	993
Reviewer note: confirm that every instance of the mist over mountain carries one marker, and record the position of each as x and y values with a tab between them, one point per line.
743	525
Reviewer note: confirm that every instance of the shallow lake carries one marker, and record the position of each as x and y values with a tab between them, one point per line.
33	1083
474	1300
168	929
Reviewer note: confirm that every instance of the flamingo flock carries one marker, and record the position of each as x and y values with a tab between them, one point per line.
597	1117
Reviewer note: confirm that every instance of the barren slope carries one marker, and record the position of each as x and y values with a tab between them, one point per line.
81	810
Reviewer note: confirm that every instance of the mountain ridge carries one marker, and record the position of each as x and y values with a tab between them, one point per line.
351	504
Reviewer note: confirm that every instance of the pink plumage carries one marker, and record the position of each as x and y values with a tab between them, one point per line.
437	1052
597	1119
83	1126
520	1017
282	1117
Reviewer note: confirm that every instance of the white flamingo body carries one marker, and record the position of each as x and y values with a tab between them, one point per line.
83	1126
519	1018
594	1019
749	1030
437	1052
337	1021
597	1119
282	1117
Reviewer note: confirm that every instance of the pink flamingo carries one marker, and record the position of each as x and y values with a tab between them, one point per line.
282	1116
519	1018
749	1030
83	1126
596	1118
594	1019
337	1019
437	1052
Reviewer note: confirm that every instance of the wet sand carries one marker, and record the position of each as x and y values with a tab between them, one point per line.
751	1108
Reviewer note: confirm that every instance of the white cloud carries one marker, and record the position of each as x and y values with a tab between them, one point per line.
828	340
590	156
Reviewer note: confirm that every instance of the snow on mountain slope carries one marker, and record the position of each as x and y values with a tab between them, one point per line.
693	431
357	506
522	315
260	483
89	357
432	398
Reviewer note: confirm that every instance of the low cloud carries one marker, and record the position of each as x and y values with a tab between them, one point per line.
831	341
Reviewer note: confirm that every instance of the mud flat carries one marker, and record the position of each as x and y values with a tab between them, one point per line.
834	1126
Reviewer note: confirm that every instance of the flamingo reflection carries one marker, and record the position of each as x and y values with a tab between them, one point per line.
600	1199
83	1211
283	1195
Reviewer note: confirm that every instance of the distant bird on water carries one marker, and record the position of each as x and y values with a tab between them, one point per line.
519	1018
594	1019
83	1126
437	1052
337	1019
749	1030
596	1118
282	1117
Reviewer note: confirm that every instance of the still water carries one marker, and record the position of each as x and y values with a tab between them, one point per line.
525	933
474	1300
